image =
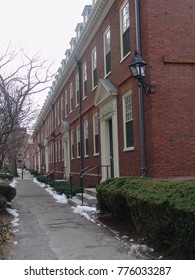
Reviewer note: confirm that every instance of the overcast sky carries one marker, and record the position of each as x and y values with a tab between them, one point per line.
46	26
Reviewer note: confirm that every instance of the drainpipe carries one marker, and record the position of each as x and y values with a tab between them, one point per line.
53	139
81	128
140	93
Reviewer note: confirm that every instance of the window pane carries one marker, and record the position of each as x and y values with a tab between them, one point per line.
97	143
95	77
108	63
126	42
129	134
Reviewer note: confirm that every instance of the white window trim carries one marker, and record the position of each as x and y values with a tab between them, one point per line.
126	149
66	103
92	66
77	89
121	31
71	98
106	31
78	140
72	143
84	78
86	136
94	116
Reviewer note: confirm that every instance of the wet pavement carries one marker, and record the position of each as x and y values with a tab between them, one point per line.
48	230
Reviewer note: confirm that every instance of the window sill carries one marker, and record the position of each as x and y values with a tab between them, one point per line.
128	149
94	88
123	58
106	76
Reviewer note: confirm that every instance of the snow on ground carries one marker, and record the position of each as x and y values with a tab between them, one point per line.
13	184
59	198
15	221
83	211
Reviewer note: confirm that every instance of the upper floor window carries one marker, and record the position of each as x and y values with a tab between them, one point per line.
71	97
96	134
77	89
128	121
94	68
62	108
58	113
84	80
72	143
125	26
66	103
78	142
107	52
86	140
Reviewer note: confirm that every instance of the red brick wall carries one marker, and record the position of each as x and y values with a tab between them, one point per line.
168	29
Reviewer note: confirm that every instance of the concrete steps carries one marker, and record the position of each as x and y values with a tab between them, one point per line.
89	198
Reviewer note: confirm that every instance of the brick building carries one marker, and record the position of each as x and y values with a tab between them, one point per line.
91	120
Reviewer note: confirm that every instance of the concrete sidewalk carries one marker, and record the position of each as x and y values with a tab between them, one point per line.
51	231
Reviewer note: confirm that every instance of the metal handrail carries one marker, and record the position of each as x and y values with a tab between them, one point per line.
94	167
71	174
81	174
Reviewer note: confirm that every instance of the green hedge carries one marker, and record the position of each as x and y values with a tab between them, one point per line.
3	203
34	172
61	187
8	192
162	210
6	176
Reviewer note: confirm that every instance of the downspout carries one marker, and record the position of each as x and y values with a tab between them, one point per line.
81	128
54	142
140	93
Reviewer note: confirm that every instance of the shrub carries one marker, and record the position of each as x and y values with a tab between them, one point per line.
5	169
3	203
64	187
34	172
42	178
163	210
8	176
8	192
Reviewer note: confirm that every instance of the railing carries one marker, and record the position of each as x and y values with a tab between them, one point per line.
81	174
72	174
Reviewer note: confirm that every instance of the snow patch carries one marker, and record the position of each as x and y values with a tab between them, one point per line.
59	198
13	184
139	250
14	213
83	211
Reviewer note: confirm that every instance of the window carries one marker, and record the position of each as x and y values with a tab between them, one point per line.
71	97
84	80
62	109
77	89
66	103
72	143
125	26
62	145
94	68
107	52
58	113
128	121
78	142
86	140
96	134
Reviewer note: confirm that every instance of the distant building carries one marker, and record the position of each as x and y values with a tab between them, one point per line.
90	122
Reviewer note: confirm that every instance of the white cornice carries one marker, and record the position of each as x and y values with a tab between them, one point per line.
98	13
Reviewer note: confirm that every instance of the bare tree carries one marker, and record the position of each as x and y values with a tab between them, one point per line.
17	86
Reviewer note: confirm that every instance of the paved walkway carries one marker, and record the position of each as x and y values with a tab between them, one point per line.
51	231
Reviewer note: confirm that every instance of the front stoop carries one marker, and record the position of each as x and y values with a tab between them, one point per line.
89	198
